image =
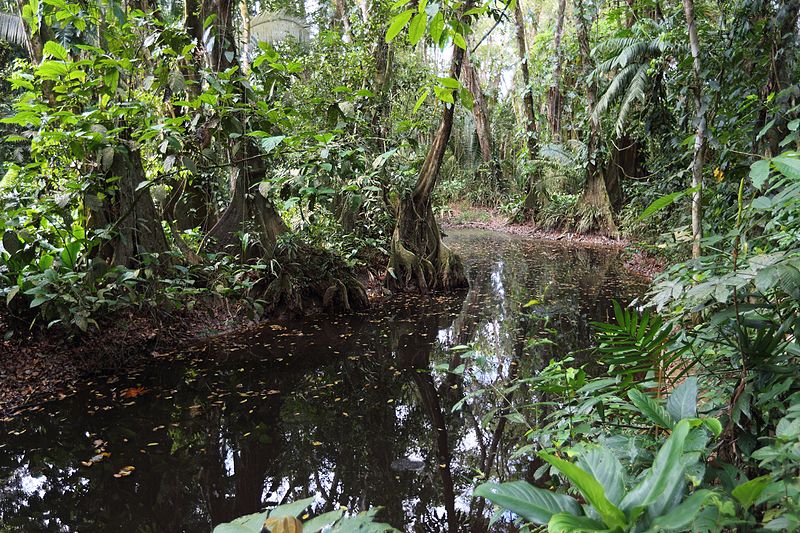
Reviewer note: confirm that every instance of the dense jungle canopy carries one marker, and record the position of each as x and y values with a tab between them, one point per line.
173	170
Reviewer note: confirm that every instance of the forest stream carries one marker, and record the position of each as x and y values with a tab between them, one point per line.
357	410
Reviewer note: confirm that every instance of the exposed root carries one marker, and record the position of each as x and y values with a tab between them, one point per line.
594	209
319	281
419	259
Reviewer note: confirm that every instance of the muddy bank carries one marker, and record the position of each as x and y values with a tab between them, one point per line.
43	364
529	231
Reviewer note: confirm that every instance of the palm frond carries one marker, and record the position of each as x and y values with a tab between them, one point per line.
276	26
615	90
636	91
557	153
634	53
637	345
12	29
613	45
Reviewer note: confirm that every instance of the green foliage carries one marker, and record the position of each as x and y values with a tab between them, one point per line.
655	500
637	345
333	521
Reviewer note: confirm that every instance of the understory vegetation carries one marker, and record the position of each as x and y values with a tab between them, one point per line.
283	156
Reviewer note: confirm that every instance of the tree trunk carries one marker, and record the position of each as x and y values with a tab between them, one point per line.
624	162
594	206
418	256
342	17
700	133
527	97
535	197
554	96
222	53
246	205
129	211
244	11
480	111
781	35
380	88
623	159
190	203
250	226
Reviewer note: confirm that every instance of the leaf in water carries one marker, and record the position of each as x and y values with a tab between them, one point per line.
125	471
133	392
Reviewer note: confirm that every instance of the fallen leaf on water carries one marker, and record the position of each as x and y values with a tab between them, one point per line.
133	392
125	471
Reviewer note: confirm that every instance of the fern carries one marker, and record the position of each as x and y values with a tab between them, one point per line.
637	345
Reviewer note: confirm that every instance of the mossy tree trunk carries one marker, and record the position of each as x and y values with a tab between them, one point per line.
248	211
698	158
554	93
128	211
535	196
490	170
594	206
418	257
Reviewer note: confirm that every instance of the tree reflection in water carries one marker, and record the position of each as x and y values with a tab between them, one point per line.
357	411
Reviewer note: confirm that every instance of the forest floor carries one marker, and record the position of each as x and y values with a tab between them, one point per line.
44	364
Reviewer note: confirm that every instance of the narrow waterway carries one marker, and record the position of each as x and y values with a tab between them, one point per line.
356	410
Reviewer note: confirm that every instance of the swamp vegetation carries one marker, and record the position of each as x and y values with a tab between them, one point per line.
302	177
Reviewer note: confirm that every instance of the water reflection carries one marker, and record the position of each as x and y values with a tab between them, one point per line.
357	411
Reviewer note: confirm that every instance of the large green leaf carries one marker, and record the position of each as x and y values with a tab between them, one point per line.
398	23
663	202
682	403
317	523
53	49
251	523
568	523
667	471
531	503
607	470
749	491
291	509
682	515
787	165
591	489
417	28
759	172
651	408
363	522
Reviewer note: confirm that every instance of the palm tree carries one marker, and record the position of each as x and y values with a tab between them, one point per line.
12	30
629	64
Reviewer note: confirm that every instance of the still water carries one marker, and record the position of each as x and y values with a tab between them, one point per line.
355	410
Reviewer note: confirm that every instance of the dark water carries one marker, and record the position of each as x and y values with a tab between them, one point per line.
356	410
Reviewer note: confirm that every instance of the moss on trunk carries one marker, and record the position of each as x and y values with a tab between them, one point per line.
418	256
128	211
